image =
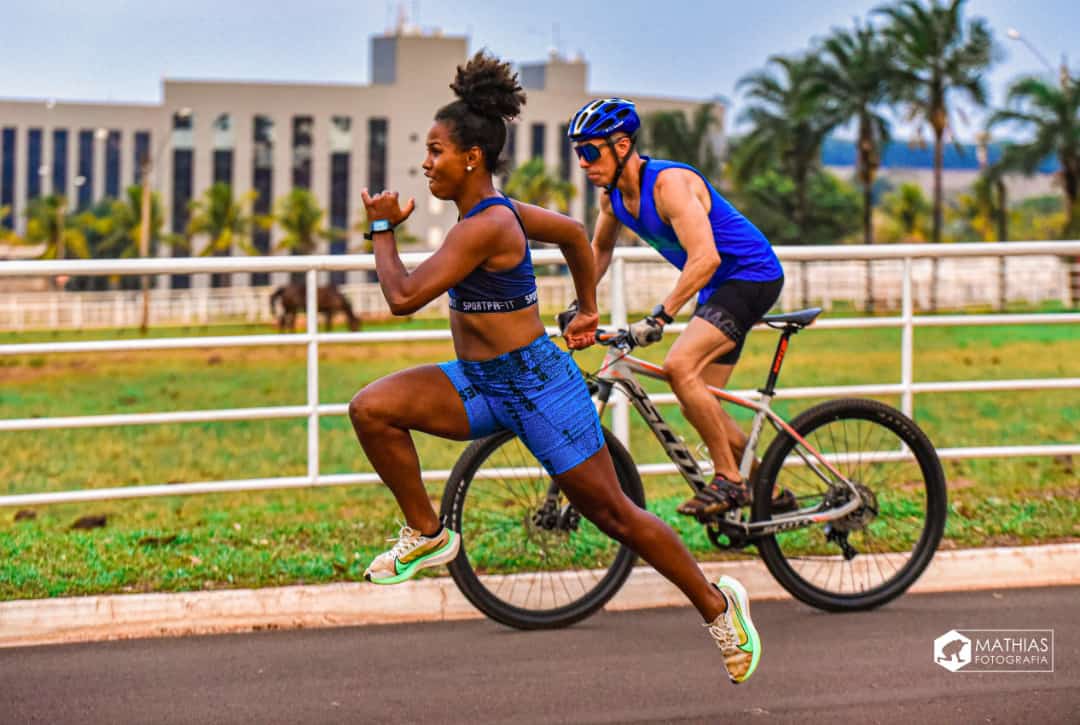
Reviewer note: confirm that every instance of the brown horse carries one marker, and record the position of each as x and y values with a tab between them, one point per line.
294	299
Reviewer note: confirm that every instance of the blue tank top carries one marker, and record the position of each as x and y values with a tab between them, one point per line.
744	251
484	291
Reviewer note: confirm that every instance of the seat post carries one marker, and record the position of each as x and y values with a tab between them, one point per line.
778	360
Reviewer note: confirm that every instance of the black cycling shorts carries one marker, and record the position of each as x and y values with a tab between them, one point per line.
734	308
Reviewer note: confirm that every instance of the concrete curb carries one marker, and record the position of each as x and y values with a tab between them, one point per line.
82	619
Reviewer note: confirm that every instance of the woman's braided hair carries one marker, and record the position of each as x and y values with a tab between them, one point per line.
489	96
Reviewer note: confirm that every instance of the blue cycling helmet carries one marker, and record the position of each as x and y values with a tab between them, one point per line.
602	117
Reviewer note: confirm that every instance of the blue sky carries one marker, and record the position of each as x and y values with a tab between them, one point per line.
118	50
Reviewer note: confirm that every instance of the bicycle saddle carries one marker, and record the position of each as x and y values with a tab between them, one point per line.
800	318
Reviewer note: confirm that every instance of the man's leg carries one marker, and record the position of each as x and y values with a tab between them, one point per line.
717	375
686	362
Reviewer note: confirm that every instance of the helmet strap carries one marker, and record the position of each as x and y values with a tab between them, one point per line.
620	163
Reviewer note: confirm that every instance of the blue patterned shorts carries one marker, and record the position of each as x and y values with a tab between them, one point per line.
538	393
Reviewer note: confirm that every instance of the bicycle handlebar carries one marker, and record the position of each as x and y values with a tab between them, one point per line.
616	338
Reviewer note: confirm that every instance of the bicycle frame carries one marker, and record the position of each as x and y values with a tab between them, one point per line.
620	369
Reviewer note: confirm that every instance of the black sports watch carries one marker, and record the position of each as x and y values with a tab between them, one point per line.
378	225
661	314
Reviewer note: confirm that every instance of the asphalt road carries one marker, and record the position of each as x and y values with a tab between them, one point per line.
645	666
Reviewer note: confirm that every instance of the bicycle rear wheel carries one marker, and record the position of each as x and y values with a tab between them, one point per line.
513	520
874	554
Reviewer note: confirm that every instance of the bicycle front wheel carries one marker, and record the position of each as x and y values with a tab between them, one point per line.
528	559
872	555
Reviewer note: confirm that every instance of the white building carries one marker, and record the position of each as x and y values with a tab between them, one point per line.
333	139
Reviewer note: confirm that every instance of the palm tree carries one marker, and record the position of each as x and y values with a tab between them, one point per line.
225	222
857	72
533	184
790	118
671	135
299	215
936	57
48	221
6	235
908	208
1050	114
121	233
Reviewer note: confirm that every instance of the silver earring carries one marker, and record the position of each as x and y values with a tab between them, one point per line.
468	168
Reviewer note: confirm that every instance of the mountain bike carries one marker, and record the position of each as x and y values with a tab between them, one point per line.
869	488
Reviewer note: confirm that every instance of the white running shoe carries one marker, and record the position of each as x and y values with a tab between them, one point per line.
734	631
412	551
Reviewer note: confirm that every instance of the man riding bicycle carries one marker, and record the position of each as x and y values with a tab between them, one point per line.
725	260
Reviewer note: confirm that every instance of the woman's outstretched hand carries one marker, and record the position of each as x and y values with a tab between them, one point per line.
385	205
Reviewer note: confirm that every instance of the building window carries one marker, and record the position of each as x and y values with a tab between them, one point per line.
183	183
223	163
221	167
223	150
142	153
263	184
7	175
60	154
340	157
86	168
538	130
565	152
33	163
112	165
183	175
301	151
378	130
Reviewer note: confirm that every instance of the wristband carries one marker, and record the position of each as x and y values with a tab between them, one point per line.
378	225
661	314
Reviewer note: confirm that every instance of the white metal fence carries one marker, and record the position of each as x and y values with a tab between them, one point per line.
903	257
988	282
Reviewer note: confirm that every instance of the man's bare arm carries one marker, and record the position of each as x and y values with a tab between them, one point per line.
677	199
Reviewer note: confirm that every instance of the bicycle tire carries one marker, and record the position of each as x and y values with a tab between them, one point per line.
483	592
789	556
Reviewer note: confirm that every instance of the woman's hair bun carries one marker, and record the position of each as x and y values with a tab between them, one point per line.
489	87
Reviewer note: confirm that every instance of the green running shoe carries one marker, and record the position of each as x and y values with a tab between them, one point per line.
734	632
412	551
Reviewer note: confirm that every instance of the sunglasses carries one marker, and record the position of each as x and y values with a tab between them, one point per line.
587	152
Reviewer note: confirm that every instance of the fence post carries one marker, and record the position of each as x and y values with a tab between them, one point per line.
1003	283
804	275
312	308
620	411
907	341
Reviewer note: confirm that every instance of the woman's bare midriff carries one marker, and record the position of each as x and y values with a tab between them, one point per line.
486	335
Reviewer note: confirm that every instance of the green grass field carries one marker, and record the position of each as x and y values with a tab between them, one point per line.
329	534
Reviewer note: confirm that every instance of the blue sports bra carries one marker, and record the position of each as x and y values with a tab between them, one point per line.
507	291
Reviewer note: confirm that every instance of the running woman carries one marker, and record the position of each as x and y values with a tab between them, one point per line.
508	375
725	261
